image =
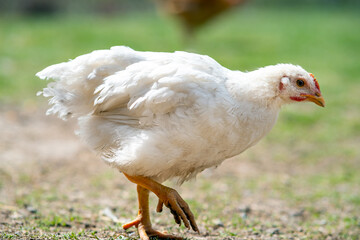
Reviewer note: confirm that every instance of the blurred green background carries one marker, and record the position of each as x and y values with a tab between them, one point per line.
322	36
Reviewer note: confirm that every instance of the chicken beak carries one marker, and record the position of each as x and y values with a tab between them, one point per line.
318	99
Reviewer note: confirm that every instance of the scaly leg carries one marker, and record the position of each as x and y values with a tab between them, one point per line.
167	196
142	222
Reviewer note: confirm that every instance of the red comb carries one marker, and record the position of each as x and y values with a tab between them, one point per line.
316	82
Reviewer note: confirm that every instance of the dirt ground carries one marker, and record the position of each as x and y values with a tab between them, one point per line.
53	187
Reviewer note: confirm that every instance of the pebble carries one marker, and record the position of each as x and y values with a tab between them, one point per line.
245	212
322	222
273	231
16	215
299	213
108	213
218	224
31	209
90	225
246	209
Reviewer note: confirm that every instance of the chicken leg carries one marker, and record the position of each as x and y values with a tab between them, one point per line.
167	196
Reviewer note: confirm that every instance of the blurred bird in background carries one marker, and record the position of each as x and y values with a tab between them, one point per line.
156	116
193	14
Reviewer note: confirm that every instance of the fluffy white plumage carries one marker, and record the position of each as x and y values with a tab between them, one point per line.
165	115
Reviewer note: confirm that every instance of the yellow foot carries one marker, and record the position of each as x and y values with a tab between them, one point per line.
178	207
145	233
168	197
134	223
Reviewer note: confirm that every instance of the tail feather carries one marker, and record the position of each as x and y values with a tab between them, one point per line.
72	92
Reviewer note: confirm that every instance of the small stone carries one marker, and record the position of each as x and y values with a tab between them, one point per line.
217	224
245	209
299	213
89	225
245	212
31	209
273	231
16	215
108	213
322	222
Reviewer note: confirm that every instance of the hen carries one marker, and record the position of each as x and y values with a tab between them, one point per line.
156	116
195	13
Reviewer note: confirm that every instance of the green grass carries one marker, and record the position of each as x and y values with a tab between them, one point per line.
317	150
324	42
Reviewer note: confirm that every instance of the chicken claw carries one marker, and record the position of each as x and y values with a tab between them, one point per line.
168	197
145	233
142	221
178	207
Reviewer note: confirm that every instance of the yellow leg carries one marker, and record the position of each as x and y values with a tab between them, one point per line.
167	196
143	214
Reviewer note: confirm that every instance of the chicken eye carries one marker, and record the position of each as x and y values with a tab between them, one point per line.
300	83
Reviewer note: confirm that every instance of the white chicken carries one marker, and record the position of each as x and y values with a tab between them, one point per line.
156	116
